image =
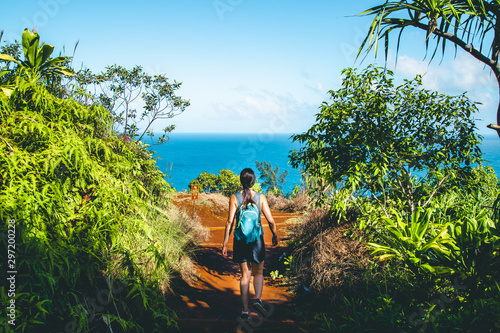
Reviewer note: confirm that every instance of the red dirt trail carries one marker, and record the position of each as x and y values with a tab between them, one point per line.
212	302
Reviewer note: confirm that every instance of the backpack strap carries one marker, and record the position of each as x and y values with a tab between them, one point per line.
255	198
239	198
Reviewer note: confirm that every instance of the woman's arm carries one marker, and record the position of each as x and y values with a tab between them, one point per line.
229	223
270	220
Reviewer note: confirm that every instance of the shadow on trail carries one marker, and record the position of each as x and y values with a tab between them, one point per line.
215	264
210	297
210	308
209	302
211	258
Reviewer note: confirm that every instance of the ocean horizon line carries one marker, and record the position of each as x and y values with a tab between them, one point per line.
229	133
484	135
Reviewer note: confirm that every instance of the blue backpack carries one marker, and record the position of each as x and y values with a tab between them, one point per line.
248	226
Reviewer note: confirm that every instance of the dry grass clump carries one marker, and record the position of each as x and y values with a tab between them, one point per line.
297	204
193	233
216	201
277	202
327	260
190	225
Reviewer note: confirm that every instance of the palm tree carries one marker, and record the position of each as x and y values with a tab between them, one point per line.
37	63
473	25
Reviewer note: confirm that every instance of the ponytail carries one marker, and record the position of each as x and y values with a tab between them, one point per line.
247	179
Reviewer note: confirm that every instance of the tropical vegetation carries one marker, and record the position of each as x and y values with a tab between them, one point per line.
368	139
37	64
97	242
400	220
469	25
226	182
405	236
272	180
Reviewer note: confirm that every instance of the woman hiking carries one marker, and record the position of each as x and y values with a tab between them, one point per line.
249	250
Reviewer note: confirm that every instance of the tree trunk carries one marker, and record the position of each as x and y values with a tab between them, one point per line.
495	67
497	126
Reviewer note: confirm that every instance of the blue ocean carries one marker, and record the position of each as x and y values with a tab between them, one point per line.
186	155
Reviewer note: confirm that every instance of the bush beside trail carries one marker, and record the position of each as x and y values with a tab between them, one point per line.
325	257
338	283
427	211
97	242
297	204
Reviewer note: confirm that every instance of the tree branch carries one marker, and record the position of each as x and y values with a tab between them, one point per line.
457	41
381	205
21	117
434	192
491	8
494	127
8	145
495	44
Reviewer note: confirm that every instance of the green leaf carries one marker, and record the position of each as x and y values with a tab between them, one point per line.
44	54
30	42
7	92
7	57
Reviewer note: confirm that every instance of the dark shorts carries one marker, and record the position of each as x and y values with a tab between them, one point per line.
251	252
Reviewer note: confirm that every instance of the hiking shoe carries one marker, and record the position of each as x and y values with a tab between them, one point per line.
257	305
244	316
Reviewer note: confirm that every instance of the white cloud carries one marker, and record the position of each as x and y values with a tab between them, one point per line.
454	77
409	66
320	88
264	111
463	74
262	106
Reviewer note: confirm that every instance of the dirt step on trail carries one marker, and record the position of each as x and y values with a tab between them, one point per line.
212	302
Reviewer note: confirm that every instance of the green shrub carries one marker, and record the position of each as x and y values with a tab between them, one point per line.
395	144
90	213
409	187
227	182
207	182
272	179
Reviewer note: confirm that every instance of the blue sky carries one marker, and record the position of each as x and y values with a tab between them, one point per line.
246	65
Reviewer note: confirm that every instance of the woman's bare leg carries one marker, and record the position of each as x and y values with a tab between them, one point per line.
246	273
258	279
